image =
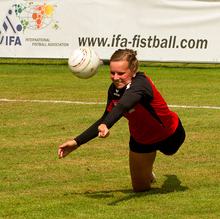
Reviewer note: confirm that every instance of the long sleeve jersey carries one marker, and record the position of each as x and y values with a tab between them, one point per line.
149	117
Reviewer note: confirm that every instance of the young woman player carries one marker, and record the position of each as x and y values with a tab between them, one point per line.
152	125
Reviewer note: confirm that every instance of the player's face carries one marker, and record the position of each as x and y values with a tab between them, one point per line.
120	74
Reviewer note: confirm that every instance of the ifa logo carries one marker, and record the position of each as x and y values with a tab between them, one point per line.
21	17
13	30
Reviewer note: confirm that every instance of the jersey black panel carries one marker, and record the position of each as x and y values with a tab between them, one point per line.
151	110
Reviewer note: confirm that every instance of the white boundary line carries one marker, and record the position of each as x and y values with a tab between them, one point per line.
51	101
198	107
93	103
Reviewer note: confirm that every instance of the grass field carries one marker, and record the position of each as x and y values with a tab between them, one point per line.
94	181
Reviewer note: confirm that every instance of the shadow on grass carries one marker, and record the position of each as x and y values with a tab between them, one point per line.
171	184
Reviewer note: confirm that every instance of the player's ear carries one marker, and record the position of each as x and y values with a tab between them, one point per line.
134	72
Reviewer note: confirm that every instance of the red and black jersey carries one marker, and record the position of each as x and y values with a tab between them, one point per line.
149	118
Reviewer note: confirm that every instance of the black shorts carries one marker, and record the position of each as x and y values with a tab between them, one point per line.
167	146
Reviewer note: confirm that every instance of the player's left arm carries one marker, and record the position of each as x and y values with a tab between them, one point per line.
92	131
138	89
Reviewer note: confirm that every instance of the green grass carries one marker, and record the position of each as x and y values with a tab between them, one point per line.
94	181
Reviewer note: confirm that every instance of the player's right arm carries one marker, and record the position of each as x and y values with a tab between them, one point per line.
86	136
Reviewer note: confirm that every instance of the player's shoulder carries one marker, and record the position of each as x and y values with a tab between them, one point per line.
140	76
141	79
112	87
142	83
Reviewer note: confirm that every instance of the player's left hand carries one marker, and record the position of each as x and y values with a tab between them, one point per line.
103	131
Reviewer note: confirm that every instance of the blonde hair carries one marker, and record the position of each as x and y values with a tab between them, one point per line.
126	55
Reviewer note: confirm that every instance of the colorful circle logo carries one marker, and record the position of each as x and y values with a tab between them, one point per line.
35	17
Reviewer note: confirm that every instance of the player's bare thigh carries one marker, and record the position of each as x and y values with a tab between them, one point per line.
141	165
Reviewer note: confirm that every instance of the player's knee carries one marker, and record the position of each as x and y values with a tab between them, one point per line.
141	188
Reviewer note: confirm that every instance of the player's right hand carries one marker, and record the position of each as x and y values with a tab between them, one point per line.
67	148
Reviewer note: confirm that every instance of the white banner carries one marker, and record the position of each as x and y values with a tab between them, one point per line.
160	30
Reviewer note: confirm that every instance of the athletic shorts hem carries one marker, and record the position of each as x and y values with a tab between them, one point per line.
167	146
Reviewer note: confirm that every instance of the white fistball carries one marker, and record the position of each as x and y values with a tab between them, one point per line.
84	62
